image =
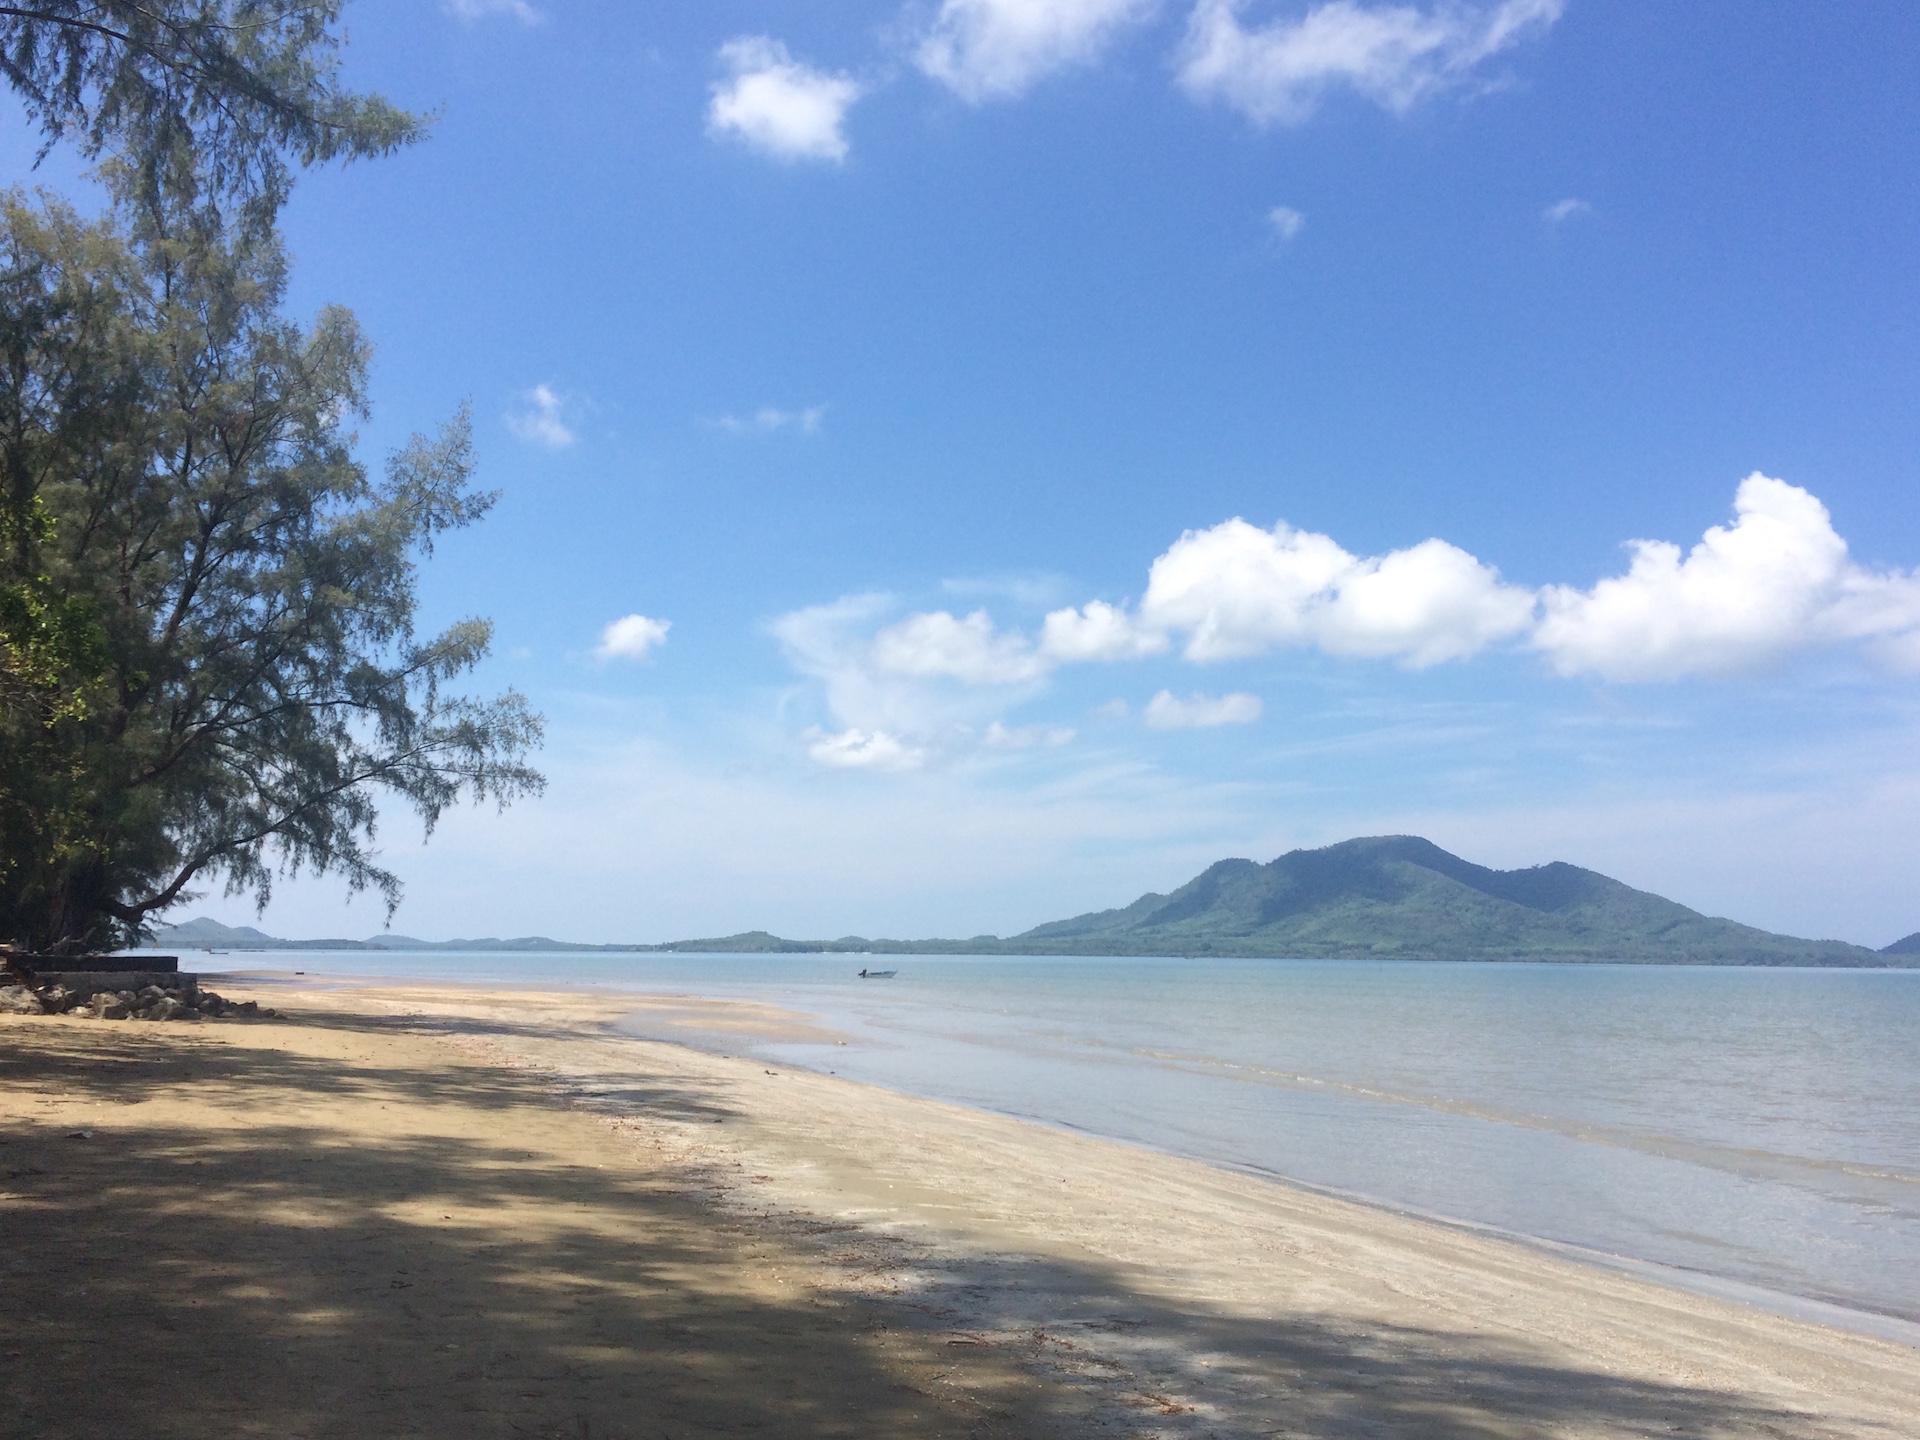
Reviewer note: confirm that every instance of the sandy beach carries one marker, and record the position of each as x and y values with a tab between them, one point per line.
428	1211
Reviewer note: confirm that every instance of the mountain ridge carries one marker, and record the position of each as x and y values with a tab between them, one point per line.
1374	897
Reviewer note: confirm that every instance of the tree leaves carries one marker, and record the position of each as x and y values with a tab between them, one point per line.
245	590
207	98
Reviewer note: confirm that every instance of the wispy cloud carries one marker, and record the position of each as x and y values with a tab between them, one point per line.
1394	55
632	637
1023	737
857	749
770	418
992	49
778	105
968	650
1167	711
483	9
1285	221
931	683
1562	211
538	420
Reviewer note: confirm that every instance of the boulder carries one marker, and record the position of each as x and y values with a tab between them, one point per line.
19	1000
109	1006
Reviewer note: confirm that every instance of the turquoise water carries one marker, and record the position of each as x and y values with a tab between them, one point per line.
1758	1125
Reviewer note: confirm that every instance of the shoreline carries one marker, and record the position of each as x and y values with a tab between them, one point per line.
1009	1277
797	1026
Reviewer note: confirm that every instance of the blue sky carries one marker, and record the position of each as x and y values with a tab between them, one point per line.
967	463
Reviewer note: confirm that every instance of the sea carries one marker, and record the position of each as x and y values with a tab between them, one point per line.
1750	1130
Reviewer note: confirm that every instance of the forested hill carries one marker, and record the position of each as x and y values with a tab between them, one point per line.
1401	897
1390	897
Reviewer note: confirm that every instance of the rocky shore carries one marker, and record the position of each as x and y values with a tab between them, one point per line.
183	1001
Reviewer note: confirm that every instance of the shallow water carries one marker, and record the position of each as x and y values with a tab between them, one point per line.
1760	1125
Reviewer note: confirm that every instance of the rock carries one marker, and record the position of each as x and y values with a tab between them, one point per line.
150	994
247	1007
166	1008
109	1006
19	1000
57	999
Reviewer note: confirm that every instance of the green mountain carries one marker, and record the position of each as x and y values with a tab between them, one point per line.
1389	897
1403	898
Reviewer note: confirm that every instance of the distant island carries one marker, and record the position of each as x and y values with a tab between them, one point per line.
1389	897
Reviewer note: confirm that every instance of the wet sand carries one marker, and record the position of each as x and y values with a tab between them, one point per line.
428	1210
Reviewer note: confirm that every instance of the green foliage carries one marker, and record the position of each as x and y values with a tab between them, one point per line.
208	663
202	99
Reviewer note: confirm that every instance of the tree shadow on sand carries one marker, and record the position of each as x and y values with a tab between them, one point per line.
308	1281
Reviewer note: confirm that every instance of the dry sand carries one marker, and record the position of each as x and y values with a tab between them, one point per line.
431	1211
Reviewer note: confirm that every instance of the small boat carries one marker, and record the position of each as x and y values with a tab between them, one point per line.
878	974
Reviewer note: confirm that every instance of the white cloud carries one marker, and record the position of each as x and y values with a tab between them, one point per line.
1166	711
1237	590
932	679
986	49
1097	631
538	419
863	750
1285	221
481	9
631	637
968	650
1395	55
1775	582
1562	211
777	104
769	418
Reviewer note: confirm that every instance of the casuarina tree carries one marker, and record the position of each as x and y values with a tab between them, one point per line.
209	667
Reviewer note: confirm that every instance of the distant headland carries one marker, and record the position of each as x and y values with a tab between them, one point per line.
1390	897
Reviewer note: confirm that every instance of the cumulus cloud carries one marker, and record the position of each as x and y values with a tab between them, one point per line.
968	650
1562	211
1097	631
631	637
1285	221
537	419
1236	590
1394	55
857	749
768	418
779	105
1166	711
1749	595
1776	582
988	49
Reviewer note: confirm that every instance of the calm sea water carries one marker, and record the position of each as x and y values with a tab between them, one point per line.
1758	1125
